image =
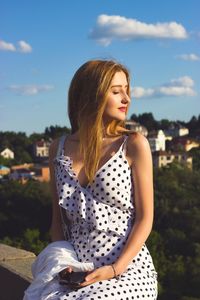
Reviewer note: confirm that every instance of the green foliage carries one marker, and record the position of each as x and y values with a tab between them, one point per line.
189	298
29	240
8	162
145	119
56	131
22	146
19	143
27	206
50	132
195	152
174	242
194	125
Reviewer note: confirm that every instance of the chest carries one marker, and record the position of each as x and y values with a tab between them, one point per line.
108	153
79	170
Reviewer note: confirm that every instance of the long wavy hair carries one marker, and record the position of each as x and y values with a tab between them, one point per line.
87	98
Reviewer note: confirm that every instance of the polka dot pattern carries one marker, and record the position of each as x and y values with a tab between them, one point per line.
101	217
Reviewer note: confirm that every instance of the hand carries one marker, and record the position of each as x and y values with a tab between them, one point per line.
62	275
102	273
66	270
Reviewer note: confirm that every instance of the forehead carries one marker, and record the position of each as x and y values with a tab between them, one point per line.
119	79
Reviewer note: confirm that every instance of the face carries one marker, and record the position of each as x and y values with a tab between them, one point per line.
117	99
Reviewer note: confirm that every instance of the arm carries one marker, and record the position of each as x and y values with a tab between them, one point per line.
140	152
56	230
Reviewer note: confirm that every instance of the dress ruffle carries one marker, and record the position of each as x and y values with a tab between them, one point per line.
82	207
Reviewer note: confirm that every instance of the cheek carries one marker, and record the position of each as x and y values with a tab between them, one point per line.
111	103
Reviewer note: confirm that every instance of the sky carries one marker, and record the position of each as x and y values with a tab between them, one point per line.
43	43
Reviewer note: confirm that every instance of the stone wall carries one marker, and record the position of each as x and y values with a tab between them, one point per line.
15	272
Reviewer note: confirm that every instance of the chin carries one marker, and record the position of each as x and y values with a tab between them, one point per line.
119	119
122	117
116	117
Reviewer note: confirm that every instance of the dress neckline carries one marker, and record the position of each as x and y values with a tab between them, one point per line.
70	160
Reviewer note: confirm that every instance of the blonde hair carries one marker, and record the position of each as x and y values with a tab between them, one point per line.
87	99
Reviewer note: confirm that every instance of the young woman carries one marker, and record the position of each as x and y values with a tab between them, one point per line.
102	183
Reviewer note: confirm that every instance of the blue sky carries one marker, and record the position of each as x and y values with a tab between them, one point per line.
42	43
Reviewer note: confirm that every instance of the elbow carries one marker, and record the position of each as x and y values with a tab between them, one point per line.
146	222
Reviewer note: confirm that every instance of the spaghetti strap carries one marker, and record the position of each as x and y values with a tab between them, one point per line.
124	144
61	145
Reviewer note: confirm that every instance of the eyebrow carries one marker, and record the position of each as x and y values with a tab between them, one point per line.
119	85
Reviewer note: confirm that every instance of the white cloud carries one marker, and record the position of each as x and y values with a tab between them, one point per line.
30	90
140	92
182	86
191	57
4	46
109	28
23	47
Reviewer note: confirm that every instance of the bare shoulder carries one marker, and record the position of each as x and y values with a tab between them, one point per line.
137	146
137	141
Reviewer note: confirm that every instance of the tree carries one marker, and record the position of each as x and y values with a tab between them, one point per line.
146	119
56	131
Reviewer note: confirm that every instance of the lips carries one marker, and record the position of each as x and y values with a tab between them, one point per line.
122	109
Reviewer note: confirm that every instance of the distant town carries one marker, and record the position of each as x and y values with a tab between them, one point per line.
174	142
26	197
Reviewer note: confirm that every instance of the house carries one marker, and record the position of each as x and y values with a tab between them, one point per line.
4	170
22	166
22	174
184	143
176	129
41	172
157	140
7	153
132	125
164	158
41	148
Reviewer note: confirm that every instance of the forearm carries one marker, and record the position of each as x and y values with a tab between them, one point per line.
55	236
137	237
56	231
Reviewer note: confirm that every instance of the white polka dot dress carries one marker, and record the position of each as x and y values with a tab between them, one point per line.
101	217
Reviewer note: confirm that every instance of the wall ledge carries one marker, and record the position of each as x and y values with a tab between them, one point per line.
15	271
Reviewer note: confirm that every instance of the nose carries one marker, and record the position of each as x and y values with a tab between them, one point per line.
125	97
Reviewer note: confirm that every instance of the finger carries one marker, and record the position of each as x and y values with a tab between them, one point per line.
85	283
91	276
69	269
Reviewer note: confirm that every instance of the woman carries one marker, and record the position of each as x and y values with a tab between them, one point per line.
102	179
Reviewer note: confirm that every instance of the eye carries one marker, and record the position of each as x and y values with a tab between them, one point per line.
115	92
